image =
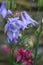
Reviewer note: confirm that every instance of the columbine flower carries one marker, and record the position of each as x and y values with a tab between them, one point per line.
26	19
3	11
12	28
29	19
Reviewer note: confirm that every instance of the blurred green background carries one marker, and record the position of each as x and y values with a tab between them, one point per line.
35	10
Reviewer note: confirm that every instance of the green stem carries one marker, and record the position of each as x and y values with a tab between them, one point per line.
37	45
8	4
11	55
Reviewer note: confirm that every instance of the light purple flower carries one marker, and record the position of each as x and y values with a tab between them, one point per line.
12	28
29	19
26	19
3	11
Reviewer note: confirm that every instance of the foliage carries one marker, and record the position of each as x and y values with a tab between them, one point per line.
8	4
40	3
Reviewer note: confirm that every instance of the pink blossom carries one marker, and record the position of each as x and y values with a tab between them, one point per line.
19	57
24	56
19	53
28	54
6	48
25	63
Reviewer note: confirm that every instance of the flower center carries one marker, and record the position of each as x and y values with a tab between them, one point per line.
15	26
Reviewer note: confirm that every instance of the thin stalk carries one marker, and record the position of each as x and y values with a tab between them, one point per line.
11	55
37	45
11	58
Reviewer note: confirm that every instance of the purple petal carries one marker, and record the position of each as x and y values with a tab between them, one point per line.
8	40
16	34
23	19
3	10
4	13
3	5
29	19
15	40
5	28
10	36
26	15
24	22
9	12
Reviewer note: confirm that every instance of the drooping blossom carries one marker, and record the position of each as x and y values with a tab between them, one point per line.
3	11
24	56
26	19
29	19
12	28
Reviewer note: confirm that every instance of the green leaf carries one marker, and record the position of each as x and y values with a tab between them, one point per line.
15	63
8	4
40	3
13	4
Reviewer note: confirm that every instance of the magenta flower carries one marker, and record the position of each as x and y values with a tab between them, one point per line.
24	56
19	53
